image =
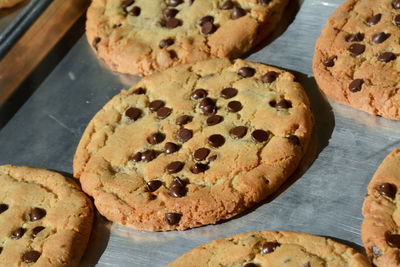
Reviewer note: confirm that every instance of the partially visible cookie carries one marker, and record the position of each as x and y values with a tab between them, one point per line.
45	219
380	231
194	144
9	3
271	248
356	59
143	36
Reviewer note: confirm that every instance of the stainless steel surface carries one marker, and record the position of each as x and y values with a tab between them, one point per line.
347	147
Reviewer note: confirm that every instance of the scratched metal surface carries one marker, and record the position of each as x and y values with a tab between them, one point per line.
348	146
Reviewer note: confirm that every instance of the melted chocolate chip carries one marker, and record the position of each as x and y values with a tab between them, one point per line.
172	23
216	140
148	155
246	72
95	42
164	112
135	11
356	85
37	230
357	37
272	103
153	185
199	94
139	91
175	166
238	132
374	19
31	256
174	3
155	138
237	12
265	2
199	167
177	188
37	214
201	154
393	240
387	190
165	43
376	251
156	105
380	37
137	157
127	3
386	57
207	106
270	247
283	104
356	49
170	148
133	113
329	62
182	120
172	218
208	28
170	12
396	4
3	207
294	140
234	106
229	92
206	19
227	5
397	20
184	135
212	158
269	77
214	119
17	233
260	136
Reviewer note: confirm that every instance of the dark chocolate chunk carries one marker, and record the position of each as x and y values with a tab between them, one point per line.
199	167
393	240
329	62
163	112
135	11
208	28
214	119
17	233
283	104
139	91
265	2
216	140
148	155
229	92
206	19
387	190
379	37
199	94
234	106
177	188
172	23
153	185
37	230
201	154
127	3
184	135
376	251
246	72
95	42
396	4
294	140
270	247
374	19
237	12
170	148
250	264
272	103
182	120
170	13
386	57
174	3
166	42
397	20
31	256
356	49
37	214
172	218
137	157
133	113
238	132
155	138
207	106
156	105
3	207
227	5
175	166
357	37
269	77
356	85
260	136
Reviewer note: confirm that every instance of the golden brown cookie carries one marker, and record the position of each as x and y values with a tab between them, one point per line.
143	36
194	144
356	59
45	219
380	231
9	3
270	248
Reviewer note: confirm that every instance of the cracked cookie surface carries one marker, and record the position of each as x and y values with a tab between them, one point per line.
271	248
380	231
356	57
194	144
45	219
143	36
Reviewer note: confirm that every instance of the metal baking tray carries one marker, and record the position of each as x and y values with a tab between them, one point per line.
324	196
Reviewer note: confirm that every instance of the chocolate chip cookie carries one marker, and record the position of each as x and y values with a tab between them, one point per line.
45	219
380	231
9	3
270	248
194	144
142	36
355	61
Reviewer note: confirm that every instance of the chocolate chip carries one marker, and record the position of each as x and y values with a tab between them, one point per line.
265	2
237	12
229	92
175	166
294	140
329	62
165	43
95	42
201	154
234	106
127	3
207	106
376	251
227	5
388	190
182	120
31	256
380	37
272	103
177	188
260	136
184	135
356	49
148	155
37	214
216	140
199	167
139	91
393	240
357	37
214	119
173	218
356	85
374	19
238	132
396	4
153	185
269	77
17	233
246	72
137	157
174	3
199	94
191	2
3	207
155	138
170	148
170	13
37	230
397	20
212	158
208	28
133	113
172	23
307	264
386	57
283	104
206	19
250	264
1	249
269	247
135	11
164	112
156	105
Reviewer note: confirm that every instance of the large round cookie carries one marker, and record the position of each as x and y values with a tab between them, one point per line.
380	231
45	219
356	57
194	144
9	3
270	248
143	36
